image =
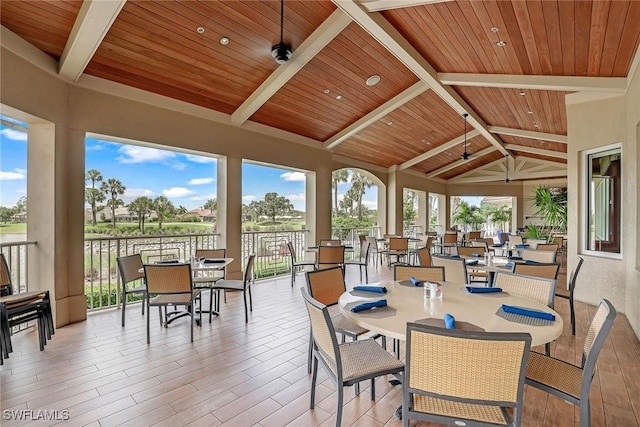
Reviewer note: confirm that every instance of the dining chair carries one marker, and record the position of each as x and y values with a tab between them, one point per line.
460	377
132	278
330	242
547	247
398	247
455	269
449	241
548	257
569	296
348	363
422	273
538	289
170	285
515	239
541	269
205	280
567	381
243	286
362	261
423	256
330	256
295	263
326	286
559	240
374	250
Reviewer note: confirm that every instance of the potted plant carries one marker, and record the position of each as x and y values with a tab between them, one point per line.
551	207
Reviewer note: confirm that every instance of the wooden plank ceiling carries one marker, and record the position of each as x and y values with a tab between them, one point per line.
155	45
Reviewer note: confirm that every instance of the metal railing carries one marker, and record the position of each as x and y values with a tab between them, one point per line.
101	280
17	256
349	236
272	254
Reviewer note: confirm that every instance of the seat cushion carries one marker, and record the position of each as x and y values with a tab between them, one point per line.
554	373
365	358
237	285
463	411
171	299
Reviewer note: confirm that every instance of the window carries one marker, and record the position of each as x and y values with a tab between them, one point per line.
603	216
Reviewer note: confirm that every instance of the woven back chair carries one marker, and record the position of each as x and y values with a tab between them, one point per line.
205	280
295	263
515	239
399	248
169	285
548	257
6	288
330	242
470	251
243	286
474	235
455	269
132	279
424	256
567	381
347	363
426	273
374	250
330	256
547	271
326	285
547	247
480	245
362	262
560	241
459	377
449	240
536	288
569	296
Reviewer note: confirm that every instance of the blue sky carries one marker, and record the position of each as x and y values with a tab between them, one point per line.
186	179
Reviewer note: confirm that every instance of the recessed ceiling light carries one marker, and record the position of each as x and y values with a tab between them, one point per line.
495	29
501	43
389	123
522	94
529	112
373	80
200	30
224	41
338	97
326	91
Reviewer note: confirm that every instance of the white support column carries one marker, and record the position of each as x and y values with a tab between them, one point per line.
310	207
423	211
229	222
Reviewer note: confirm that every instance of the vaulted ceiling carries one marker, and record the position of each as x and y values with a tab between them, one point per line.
508	64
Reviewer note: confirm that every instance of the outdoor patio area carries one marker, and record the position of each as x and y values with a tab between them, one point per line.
255	374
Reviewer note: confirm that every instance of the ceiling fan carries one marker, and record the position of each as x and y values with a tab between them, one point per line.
281	52
465	155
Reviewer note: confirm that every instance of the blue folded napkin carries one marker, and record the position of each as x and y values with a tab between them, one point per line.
471	261
449	321
526	312
376	289
515	258
496	245
169	261
455	257
530	261
369	305
522	246
482	290
213	261
474	254
415	281
509	265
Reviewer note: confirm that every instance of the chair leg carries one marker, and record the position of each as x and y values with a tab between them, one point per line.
547	349
310	357
246	313
366	274
340	403
313	383
210	304
191	309
148	315
293	274
373	389
585	412
250	300
573	317
124	305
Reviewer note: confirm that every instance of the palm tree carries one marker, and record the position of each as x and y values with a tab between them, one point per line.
163	208
93	195
142	206
113	188
341	175
212	204
466	214
500	215
361	182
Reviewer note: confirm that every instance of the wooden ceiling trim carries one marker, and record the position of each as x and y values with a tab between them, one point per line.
524	154
437	150
567	26
627	50
557	83
465	166
551	22
481	35
515	49
460	162
541	45
544	145
599	17
487	21
529	134
379	5
533	150
617	15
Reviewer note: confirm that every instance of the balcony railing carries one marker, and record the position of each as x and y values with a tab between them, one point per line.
272	254
17	256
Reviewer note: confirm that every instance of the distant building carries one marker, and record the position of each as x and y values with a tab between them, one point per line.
203	215
19	217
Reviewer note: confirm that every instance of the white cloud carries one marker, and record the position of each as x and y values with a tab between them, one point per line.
296	197
200	159
370	203
13	134
12	176
200	181
132	193
136	154
177	192
293	176
94	147
179	166
248	198
203	197
19	170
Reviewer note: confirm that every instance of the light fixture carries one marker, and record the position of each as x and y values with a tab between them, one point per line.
501	43
281	52
200	30
506	171
465	155
373	80
224	41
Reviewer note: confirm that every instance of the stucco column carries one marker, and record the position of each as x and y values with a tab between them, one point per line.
394	204
229	222
55	217
423	211
323	205
310	207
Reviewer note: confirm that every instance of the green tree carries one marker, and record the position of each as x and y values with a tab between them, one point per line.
467	215
212	204
409	211
341	175
551	207
93	196
163	208
6	213
113	188
273	205
360	182
500	215
21	204
142	207
181	210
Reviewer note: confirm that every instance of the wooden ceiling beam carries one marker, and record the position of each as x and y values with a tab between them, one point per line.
541	136
460	162
513	81
380	29
378	5
512	177
439	149
539	151
91	26
309	48
386	108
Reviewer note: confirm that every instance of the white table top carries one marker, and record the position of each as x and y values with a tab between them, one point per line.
478	309
205	266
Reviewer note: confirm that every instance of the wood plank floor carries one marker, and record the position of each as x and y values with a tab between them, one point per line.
255	374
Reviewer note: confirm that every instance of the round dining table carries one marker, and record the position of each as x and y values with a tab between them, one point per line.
406	303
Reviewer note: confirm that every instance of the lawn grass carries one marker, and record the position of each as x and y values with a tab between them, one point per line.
10	227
